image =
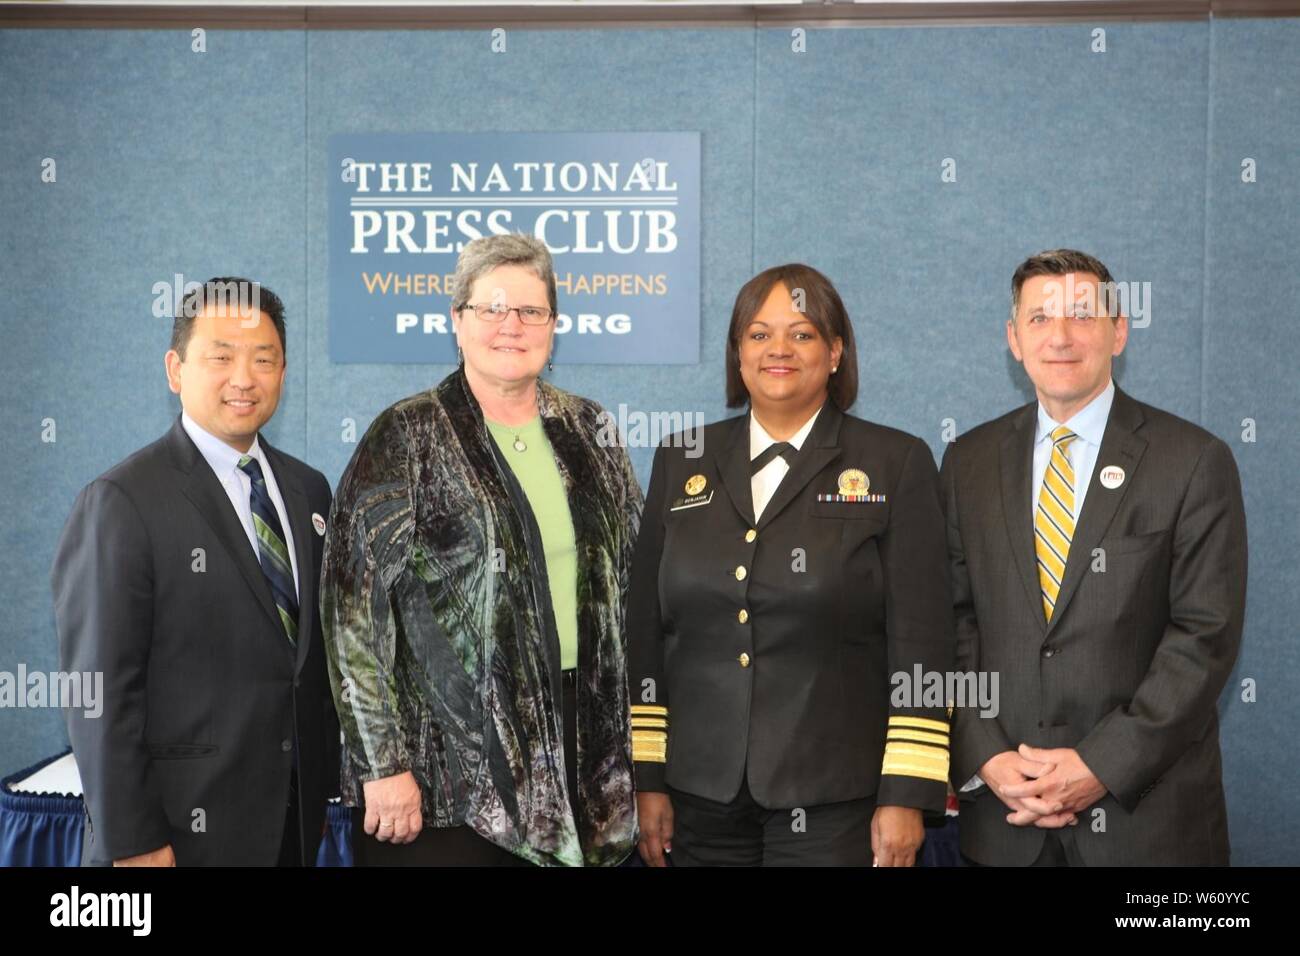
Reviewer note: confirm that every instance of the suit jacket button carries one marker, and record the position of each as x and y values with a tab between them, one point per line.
743	616
751	534
740	573
286	745
744	660
1048	651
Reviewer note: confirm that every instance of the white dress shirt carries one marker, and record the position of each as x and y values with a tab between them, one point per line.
763	485
224	462
1089	423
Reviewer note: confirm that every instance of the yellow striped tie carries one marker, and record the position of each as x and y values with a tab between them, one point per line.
1054	519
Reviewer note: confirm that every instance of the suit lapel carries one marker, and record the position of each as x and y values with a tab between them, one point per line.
1017	470
205	492
819	450
297	508
1119	446
733	466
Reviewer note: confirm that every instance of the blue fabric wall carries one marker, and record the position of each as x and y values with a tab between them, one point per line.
205	164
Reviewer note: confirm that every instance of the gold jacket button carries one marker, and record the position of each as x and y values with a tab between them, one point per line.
743	616
740	573
751	534
744	660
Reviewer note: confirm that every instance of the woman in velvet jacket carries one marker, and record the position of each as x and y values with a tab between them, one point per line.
474	629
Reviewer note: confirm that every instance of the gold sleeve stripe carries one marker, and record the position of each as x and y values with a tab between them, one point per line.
917	752
649	746
915	760
649	722
917	736
649	710
920	723
903	768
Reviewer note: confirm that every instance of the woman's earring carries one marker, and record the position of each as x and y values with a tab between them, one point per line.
460	356
835	369
550	366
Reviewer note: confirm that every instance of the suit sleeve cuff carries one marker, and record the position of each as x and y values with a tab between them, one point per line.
149	836
915	769
974	744
648	777
649	746
1117	783
930	796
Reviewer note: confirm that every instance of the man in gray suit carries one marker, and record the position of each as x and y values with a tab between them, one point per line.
1098	555
187	575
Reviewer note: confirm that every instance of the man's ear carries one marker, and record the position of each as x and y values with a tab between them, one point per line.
1121	334
1013	341
172	362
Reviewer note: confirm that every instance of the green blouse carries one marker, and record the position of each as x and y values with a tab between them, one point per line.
539	476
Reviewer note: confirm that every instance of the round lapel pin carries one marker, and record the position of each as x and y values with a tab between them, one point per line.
318	523
1112	476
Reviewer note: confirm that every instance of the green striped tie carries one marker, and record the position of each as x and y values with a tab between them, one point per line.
271	550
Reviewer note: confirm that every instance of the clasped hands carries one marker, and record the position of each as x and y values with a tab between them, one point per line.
1045	788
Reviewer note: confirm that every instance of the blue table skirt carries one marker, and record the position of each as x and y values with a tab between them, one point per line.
45	829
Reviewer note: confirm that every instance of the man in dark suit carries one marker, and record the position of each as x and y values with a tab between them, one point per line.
1098	556
187	575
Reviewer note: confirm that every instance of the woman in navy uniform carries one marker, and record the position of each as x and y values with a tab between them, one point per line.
789	586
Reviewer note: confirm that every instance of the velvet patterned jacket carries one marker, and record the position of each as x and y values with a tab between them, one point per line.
443	651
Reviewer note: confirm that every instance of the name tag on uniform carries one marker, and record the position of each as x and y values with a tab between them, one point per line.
694	501
695	496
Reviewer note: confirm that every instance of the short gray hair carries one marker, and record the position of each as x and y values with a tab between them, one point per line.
486	253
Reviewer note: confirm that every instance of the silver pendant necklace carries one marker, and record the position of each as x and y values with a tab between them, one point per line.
519	444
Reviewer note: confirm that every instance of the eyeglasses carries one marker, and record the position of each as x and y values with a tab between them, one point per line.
497	312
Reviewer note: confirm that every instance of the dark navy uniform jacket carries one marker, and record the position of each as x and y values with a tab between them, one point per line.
766	648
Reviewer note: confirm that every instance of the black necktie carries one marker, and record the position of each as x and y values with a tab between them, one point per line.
782	448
